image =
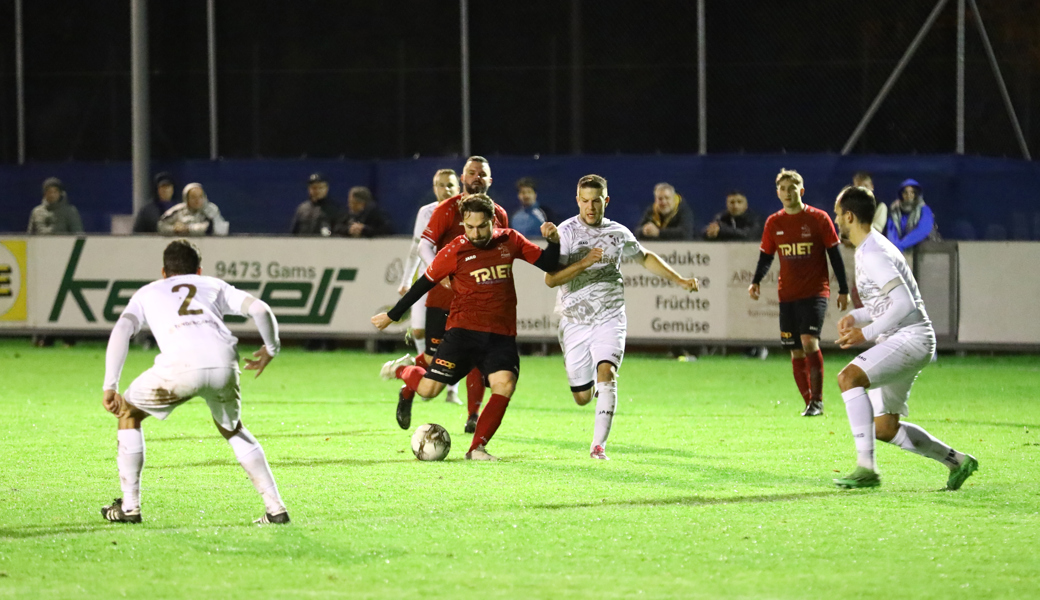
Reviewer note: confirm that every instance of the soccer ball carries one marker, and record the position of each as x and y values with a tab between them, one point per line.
430	442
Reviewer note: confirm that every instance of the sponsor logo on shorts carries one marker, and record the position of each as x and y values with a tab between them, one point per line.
434	340
786	335
447	364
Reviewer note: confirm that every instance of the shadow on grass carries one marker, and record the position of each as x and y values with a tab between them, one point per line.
281	464
694	500
34	531
262	437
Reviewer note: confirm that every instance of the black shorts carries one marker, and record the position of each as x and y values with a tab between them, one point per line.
463	349
801	317
436	321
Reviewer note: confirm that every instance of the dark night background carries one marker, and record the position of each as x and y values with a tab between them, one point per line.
381	79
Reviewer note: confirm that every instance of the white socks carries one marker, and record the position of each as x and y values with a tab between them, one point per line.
251	456
420	345
861	420
606	403
912	438
453	388
130	458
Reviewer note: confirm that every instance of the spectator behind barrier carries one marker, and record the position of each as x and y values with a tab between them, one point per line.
147	220
668	218
529	217
364	218
318	214
737	223
910	220
54	214
864	179
195	216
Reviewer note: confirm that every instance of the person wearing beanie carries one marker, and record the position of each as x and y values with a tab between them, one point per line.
54	215
196	216
910	220
318	214
147	220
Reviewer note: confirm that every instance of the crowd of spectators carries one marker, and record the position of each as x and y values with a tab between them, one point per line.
906	221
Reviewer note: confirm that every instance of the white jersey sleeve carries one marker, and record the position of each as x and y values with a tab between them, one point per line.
232	300
881	269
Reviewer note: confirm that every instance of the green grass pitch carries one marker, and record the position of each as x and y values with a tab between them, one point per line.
717	488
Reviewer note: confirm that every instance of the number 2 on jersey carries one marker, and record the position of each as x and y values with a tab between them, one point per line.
192	290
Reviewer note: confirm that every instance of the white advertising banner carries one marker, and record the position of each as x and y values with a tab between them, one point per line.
998	293
331	287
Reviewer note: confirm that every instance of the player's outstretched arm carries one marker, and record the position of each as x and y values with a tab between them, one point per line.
267	325
572	270
420	287
656	265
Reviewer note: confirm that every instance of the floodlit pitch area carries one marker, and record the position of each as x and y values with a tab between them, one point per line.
716	488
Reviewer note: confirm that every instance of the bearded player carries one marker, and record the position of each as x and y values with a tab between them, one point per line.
876	384
445	185
444	227
481	328
805	237
591	301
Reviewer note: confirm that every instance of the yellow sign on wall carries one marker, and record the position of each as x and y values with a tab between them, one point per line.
13	290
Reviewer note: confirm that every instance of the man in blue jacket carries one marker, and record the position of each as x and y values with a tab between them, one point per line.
910	221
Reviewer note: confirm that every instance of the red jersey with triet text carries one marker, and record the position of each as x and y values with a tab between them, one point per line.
485	295
446	225
801	240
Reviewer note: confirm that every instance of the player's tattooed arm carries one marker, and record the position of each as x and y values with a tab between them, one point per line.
656	265
568	273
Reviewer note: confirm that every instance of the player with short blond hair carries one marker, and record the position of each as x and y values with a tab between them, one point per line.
199	358
591	301
804	237
445	185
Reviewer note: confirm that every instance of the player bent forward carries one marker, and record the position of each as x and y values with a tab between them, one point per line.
591	301
876	384
198	358
481	328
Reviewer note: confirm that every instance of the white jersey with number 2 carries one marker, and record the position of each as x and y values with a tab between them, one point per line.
185	314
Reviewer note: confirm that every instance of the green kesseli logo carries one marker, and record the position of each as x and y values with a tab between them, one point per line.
320	304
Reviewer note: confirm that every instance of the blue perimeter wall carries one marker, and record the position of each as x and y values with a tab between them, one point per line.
972	197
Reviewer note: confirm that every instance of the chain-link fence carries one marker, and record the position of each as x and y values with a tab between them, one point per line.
382	80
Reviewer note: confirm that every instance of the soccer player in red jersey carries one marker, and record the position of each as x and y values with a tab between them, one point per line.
804	236
444	226
481	329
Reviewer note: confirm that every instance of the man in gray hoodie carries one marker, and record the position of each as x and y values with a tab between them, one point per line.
54	215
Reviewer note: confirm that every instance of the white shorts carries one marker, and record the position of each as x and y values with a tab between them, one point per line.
159	390
418	320
892	367
585	346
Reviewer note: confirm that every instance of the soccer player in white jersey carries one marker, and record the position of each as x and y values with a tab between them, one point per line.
876	384
591	301
198	357
445	185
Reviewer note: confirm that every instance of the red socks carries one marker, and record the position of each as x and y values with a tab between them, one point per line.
411	376
801	377
815	362
489	420
420	361
474	390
